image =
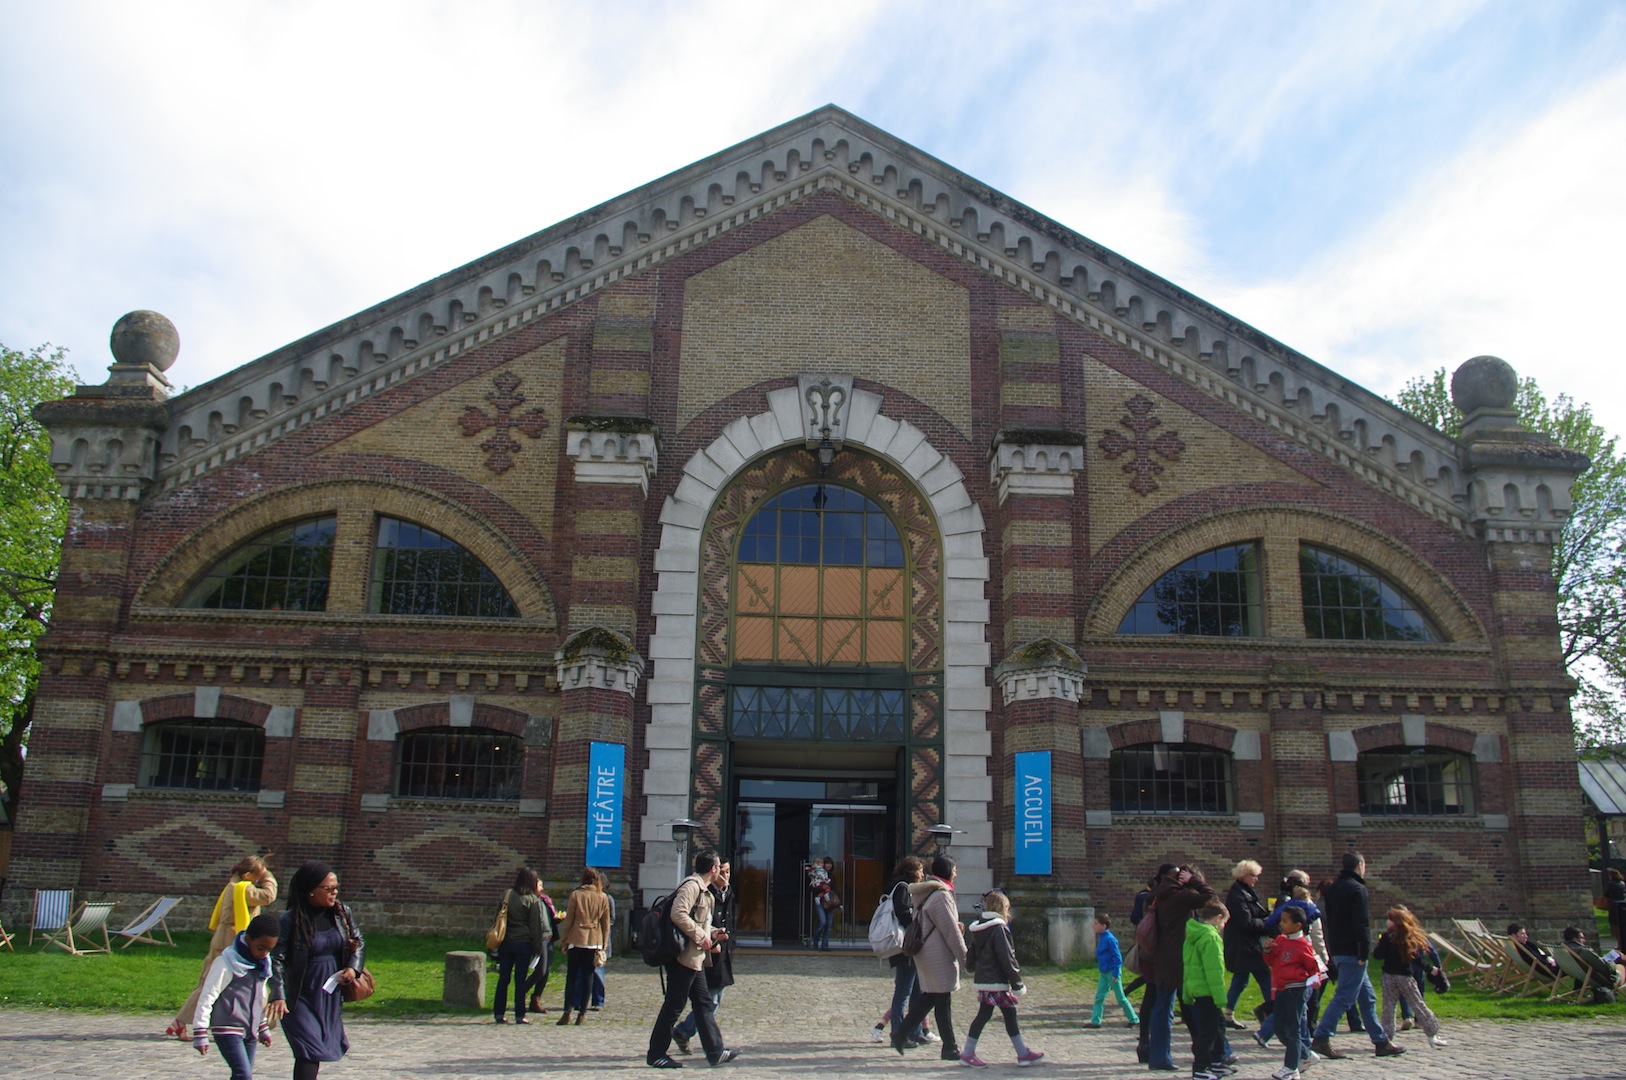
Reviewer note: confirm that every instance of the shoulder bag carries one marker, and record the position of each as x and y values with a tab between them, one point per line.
363	987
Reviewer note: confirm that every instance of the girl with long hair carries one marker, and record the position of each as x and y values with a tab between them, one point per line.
1400	944
318	942
250	888
521	939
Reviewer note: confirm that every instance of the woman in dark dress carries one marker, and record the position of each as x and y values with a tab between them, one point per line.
318	943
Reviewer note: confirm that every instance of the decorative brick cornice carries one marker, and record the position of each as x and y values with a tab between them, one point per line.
1041	670
613	457
599	659
1034	469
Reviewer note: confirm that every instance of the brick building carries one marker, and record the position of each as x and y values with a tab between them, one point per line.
819	481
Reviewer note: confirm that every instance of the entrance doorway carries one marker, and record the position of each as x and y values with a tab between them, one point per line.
783	824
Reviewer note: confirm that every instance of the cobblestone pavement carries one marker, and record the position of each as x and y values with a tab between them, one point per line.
788	1015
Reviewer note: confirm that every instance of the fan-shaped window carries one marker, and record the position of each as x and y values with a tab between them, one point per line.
1215	594
202	755
286	569
1170	778
1346	601
1422	782
417	571
820	580
458	763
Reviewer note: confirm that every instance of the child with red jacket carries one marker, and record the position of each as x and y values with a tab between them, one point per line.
1295	970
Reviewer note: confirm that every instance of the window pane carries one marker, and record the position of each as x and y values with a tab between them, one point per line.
204	755
286	569
1416	782
417	571
444	763
1162	779
1214	594
1344	600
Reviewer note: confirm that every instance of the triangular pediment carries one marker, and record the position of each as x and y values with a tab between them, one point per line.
828	150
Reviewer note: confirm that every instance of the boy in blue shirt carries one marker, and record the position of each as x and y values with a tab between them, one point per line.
1110	962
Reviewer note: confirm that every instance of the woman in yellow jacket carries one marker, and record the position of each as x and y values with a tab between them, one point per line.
583	931
251	888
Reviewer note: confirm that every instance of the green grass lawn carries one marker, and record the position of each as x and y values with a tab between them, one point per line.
146	979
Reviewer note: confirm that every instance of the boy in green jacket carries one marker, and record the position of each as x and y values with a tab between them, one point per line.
1203	989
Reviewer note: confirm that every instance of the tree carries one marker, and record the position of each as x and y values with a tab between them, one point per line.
1589	559
33	515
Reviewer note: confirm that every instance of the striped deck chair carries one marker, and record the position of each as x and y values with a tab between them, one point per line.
51	908
1523	979
1483	945
78	934
142	924
1473	971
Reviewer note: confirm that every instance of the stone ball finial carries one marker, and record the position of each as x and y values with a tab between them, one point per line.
1485	382
145	337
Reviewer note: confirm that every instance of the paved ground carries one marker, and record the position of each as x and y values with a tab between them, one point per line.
788	1016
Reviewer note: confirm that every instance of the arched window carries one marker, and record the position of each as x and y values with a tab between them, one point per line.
286	569
202	755
1346	601
458	763
417	571
820	581
1420	782
1170	778
1214	594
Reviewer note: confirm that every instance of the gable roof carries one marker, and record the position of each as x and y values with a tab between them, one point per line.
828	149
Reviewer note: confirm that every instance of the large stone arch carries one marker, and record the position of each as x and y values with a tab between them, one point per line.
966	658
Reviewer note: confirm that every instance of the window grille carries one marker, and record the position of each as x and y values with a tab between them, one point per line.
1213	594
1165	778
458	763
844	714
417	571
1419	782
202	755
287	569
1346	601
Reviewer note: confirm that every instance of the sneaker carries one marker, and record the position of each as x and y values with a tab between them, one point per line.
724	1058
1029	1057
1437	1041
680	1042
664	1062
929	1037
1095	1023
1206	1075
970	1058
1284	1073
1388	1049
1229	1061
877	1033
1407	1024
949	1052
1223	1070
1310	1058
1262	1039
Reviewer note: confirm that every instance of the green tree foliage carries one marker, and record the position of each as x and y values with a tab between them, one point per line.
1589	560
32	518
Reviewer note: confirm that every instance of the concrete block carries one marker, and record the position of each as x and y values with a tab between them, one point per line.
464	984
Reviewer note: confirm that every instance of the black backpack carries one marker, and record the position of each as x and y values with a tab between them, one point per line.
659	941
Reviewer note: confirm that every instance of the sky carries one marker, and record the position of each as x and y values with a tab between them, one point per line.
1389	188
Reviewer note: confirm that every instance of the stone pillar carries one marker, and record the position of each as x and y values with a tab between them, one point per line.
104	450
1041	680
599	670
1518	485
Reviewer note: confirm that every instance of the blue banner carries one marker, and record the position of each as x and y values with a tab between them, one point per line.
1033	812
606	786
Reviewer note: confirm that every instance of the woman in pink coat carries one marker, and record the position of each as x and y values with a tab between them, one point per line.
941	955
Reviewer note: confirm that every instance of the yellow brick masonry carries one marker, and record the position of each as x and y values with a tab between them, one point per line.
825	297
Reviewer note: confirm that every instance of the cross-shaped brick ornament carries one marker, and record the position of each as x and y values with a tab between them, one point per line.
502	446
1140	421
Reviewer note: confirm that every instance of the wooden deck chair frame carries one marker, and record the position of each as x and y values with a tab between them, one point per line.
1483	945
87	921
1523	980
50	895
155	917
1572	966
5	938
1474	972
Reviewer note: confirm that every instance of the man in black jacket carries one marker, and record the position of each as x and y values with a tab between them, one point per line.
1349	941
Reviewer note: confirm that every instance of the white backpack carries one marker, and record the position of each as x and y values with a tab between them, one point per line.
885	935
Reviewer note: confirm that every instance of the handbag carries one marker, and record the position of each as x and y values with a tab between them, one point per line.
830	901
363	986
1440	981
499	925
1601	903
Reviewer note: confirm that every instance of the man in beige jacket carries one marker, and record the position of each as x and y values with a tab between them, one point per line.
685	986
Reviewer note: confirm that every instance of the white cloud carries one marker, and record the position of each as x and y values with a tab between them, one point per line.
1512	248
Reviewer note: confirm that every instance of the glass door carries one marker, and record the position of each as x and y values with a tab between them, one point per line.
857	841
753	872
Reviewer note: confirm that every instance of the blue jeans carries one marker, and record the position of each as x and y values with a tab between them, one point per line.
691	1024
1289	1024
238	1054
821	936
1239	982
905	995
1160	1025
513	958
1354	988
578	978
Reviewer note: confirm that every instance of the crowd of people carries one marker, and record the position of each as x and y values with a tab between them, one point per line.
1193	949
